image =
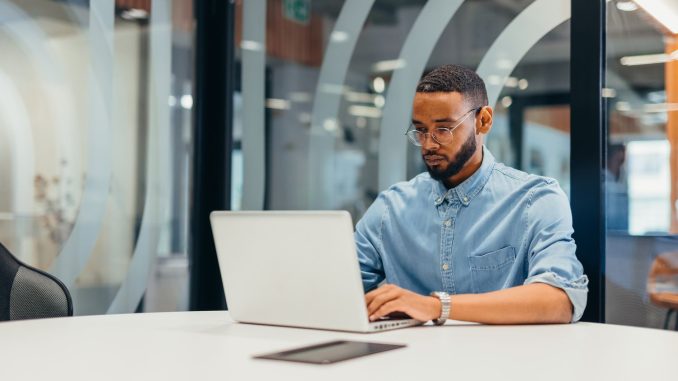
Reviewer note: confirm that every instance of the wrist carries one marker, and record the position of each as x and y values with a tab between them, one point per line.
436	307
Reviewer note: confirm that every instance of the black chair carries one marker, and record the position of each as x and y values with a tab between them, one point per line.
28	293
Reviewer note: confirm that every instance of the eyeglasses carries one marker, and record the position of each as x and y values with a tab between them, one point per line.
441	135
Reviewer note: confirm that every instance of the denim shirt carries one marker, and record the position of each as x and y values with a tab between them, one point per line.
499	228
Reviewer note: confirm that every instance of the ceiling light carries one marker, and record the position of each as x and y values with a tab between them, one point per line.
609	93
645	59
379	101
330	125
623	106
378	84
388	65
626	6
186	101
278	104
251	45
506	101
522	84
660	107
355	96
339	36
134	14
364	111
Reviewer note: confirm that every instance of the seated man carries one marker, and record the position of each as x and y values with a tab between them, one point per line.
472	239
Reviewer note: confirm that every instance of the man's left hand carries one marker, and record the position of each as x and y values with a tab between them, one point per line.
389	298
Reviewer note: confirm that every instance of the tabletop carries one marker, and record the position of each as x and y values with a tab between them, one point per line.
210	346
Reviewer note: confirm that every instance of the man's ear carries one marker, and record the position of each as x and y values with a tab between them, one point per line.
484	120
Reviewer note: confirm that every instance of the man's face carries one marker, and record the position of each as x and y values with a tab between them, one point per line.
436	110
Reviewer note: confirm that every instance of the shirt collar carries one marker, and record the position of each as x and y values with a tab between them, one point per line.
469	188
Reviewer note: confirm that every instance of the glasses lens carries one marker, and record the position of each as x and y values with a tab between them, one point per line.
415	137
442	135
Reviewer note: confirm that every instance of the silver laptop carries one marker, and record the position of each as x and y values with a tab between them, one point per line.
296	269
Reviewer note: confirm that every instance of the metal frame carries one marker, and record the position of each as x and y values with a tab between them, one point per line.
213	111
588	144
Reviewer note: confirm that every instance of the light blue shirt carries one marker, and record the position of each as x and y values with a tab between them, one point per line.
500	228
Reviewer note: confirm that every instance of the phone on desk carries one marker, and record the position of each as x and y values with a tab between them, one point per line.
330	352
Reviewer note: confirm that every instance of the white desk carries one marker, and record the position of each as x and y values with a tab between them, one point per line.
209	346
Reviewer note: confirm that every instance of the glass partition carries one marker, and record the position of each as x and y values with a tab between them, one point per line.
640	175
326	91
95	142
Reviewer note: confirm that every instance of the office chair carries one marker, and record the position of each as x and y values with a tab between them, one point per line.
662	284
28	293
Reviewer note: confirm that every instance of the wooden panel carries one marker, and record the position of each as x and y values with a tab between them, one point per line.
556	117
134	4
286	39
671	78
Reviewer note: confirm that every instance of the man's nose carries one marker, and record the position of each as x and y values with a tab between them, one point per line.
429	144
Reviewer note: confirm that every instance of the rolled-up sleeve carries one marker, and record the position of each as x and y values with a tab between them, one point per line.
368	243
551	248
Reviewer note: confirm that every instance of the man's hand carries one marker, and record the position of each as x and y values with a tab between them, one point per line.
389	298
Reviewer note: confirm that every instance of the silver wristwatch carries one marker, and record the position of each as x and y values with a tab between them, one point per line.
445	302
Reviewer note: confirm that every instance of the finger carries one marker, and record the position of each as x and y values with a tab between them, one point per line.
377	291
385	309
382	298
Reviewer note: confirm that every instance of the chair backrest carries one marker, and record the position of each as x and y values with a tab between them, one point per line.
662	281
28	293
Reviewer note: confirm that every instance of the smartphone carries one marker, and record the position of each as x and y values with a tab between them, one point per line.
330	352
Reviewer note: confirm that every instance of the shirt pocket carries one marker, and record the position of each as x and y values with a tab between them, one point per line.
489	271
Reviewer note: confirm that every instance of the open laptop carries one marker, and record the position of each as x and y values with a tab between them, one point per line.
293	268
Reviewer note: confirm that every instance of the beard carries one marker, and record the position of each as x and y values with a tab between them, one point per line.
460	159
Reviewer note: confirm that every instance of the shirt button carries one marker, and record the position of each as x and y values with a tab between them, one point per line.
448	223
446	266
465	199
439	200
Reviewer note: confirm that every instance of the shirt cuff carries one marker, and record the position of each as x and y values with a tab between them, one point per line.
576	290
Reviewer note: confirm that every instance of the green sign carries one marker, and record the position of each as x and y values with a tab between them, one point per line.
298	11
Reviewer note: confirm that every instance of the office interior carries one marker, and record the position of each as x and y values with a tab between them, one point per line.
98	126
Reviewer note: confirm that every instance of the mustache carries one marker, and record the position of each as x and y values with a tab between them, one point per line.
433	155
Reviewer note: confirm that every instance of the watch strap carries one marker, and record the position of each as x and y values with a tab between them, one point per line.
444	298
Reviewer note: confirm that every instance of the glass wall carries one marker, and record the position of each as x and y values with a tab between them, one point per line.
95	147
326	90
641	170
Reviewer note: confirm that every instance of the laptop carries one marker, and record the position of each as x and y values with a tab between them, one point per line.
293	268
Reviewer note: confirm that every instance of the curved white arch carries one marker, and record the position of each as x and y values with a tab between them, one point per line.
53	82
80	244
519	36
157	164
414	55
253	54
15	121
327	99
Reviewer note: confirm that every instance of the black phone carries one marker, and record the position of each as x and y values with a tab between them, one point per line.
330	352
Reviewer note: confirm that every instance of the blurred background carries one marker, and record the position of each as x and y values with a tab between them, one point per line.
97	125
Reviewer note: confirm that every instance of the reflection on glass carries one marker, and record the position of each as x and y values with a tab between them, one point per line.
80	106
640	171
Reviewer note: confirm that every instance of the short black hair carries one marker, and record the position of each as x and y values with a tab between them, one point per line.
455	78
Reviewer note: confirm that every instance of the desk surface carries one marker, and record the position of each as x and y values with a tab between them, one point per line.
209	346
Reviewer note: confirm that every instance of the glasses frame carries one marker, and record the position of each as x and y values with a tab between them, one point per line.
412	132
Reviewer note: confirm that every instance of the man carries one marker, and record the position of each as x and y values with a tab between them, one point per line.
617	195
471	239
